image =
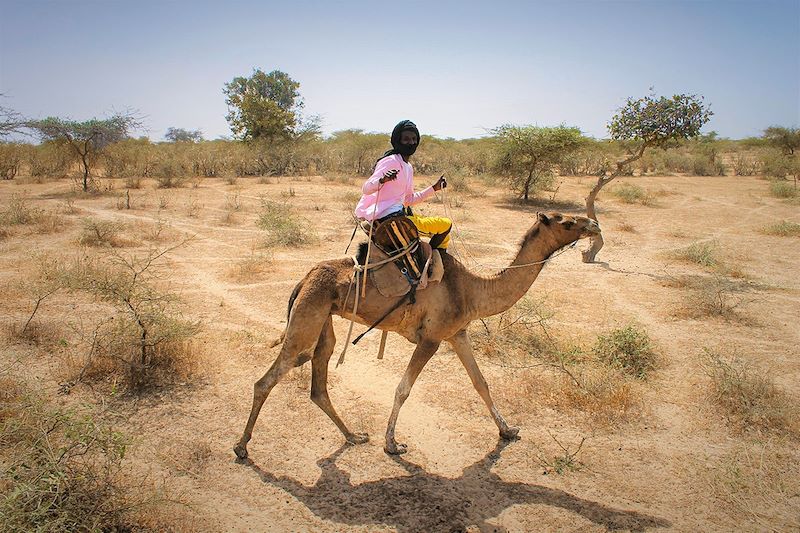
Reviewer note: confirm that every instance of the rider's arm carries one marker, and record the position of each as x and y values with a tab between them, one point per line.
384	165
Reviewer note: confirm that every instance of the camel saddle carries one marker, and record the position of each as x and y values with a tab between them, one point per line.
416	268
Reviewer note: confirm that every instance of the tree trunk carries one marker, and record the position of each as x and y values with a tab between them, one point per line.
596	241
527	185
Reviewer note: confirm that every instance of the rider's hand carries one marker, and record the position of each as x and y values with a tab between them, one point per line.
390	175
441	183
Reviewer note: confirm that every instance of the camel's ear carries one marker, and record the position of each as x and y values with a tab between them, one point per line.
544	219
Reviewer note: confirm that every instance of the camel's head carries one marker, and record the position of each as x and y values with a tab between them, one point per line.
574	226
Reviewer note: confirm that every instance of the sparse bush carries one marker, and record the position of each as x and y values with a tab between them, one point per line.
745	165
701	253
63	469
714	296
11	157
629	349
749	396
784	228
142	340
283	227
633	194
101	233
783	189
20	212
777	165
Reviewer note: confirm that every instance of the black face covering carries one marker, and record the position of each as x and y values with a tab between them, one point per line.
406	149
402	149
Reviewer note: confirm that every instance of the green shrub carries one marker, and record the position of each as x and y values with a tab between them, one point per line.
283	227
628	349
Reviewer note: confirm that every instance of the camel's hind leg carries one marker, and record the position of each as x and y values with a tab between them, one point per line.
461	344
319	382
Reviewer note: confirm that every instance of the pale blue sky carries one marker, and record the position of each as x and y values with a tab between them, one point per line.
454	67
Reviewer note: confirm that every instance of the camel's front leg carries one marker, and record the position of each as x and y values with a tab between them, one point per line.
463	347
319	382
422	354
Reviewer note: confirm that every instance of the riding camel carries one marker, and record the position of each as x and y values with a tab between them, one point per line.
441	312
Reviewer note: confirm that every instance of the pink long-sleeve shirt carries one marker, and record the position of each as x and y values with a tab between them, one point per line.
393	194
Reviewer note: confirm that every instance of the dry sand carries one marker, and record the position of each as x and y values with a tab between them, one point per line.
672	466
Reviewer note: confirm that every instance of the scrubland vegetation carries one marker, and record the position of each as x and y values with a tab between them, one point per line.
97	328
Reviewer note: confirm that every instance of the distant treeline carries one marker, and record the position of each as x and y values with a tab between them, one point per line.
354	152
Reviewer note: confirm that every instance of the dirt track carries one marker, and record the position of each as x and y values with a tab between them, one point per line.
658	470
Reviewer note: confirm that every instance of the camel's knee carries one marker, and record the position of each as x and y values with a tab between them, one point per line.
319	396
401	395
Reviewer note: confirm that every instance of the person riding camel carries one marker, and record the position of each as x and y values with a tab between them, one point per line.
392	187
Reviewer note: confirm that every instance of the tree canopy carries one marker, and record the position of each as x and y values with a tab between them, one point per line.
656	121
263	106
786	140
182	135
528	154
87	139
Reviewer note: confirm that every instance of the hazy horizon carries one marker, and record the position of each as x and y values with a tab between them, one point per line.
456	68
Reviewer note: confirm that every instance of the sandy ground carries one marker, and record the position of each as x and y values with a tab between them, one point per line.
668	467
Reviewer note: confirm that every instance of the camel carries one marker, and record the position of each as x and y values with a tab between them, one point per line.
442	312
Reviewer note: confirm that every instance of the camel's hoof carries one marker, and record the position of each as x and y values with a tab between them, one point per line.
241	451
395	449
511	433
358	438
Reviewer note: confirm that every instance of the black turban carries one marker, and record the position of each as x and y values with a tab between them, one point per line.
403	125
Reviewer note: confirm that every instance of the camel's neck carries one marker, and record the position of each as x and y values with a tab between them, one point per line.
490	296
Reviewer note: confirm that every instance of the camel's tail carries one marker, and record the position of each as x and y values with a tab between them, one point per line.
292	298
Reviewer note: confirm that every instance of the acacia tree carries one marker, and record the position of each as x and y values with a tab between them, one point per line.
10	121
644	123
87	139
182	135
787	140
264	106
529	154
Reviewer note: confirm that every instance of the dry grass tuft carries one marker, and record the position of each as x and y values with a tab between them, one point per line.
758	484
783	189
712	296
251	268
705	254
35	332
748	396
283	227
783	228
626	227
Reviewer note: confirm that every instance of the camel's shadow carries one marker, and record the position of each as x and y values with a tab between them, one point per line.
422	501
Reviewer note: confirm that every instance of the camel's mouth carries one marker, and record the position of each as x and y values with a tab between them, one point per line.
592	228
